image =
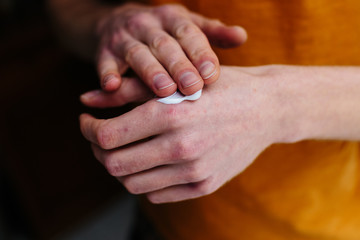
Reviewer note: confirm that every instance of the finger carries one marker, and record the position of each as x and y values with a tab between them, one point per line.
169	53
163	177
218	33
141	122
183	192
131	90
134	158
172	56
110	69
195	45
146	66
148	154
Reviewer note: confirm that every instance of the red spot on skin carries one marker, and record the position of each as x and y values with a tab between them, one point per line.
172	110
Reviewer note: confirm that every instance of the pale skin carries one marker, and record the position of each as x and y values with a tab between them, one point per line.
193	148
166	46
178	152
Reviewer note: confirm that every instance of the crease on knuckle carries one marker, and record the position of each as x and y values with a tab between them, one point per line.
161	41
112	166
116	40
133	51
183	149
137	21
201	52
186	30
118	167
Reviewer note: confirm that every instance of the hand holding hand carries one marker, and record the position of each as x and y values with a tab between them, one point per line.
177	152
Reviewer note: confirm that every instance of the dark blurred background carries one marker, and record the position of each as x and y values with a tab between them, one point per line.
49	180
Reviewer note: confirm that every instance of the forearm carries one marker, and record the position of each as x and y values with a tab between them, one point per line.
320	102
75	23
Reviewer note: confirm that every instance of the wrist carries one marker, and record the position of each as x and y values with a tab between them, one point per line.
280	107
287	103
316	102
263	92
279	102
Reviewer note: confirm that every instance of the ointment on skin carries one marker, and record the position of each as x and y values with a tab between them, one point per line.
178	97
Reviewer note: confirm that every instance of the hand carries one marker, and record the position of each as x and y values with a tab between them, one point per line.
178	152
167	47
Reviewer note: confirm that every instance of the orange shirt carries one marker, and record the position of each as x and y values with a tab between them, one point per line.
307	190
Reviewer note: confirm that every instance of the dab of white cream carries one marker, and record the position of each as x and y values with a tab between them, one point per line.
178	97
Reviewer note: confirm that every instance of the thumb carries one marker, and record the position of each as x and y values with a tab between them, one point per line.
218	33
131	90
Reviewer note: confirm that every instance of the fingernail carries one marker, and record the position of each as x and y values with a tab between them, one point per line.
109	78
89	95
188	79
207	70
161	81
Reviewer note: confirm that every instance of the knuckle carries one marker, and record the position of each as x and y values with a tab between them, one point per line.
148	110
169	9
105	137
116	39
132	185
185	30
132	51
112	166
173	116
200	52
184	149
161	41
116	166
137	21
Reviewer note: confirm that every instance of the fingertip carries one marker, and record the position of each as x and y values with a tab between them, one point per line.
165	92
193	88
207	69
84	116
241	32
110	82
227	36
163	85
88	125
112	85
213	78
87	97
82	120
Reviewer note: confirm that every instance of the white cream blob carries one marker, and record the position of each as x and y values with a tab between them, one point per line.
178	97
